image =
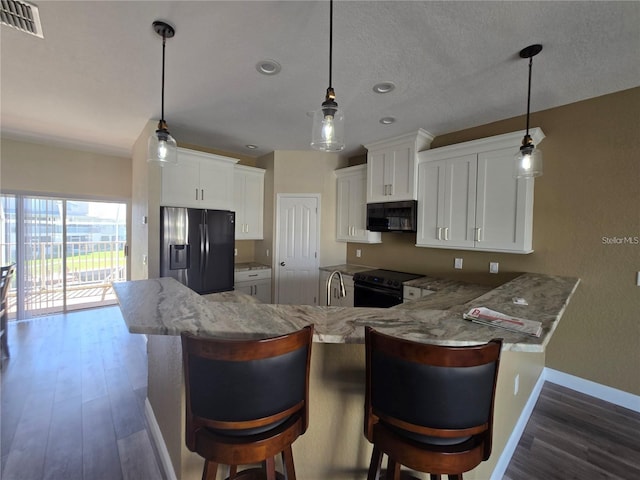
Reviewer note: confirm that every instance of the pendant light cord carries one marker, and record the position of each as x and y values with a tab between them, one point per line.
164	42
529	93
330	40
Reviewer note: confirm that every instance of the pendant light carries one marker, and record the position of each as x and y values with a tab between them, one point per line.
328	121
162	148
528	162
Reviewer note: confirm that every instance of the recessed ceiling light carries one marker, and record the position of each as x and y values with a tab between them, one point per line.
387	120
384	87
251	146
268	67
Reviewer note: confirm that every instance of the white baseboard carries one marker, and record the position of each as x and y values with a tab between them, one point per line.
514	438
156	435
608	394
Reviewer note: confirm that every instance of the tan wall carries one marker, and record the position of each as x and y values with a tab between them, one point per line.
145	188
263	246
36	168
590	189
245	251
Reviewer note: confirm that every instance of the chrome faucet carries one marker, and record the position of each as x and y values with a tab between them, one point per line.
343	292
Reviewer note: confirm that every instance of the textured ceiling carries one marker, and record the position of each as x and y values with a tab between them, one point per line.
94	80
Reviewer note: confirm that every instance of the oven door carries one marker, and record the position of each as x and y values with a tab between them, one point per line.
368	296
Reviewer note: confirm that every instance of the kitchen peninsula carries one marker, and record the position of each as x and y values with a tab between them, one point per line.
334	446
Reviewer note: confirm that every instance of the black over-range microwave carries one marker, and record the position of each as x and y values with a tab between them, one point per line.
392	216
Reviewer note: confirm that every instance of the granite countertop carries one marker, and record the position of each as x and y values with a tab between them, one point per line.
447	296
347	269
243	267
432	283
163	306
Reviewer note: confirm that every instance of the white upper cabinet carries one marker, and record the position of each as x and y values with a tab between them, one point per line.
468	198
200	180
249	202
447	203
391	172
352	206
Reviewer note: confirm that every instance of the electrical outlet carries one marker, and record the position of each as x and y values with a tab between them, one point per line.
267	252
516	384
457	263
493	267
235	252
144	259
358	253
638	279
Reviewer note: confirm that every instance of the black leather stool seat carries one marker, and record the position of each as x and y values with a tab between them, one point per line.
429	407
247	401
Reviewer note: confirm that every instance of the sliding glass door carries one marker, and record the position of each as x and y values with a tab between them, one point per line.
67	252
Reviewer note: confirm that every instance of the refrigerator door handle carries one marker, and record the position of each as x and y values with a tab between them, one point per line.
201	230
206	247
205	238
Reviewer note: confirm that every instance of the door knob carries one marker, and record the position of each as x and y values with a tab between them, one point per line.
282	264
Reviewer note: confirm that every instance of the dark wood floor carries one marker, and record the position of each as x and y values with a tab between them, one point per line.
73	396
73	408
574	436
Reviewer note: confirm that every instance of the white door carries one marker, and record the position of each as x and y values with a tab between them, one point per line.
297	243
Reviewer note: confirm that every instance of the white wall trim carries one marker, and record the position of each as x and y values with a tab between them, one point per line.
518	429
608	394
156	436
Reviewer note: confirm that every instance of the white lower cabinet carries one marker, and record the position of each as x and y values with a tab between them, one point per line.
468	198
414	293
351	212
256	283
334	291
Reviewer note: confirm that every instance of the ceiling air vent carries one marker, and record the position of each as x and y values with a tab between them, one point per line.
21	15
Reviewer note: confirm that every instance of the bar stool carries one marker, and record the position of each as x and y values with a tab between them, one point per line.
246	401
429	407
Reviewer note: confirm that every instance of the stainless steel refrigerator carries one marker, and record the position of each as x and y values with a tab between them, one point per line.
197	247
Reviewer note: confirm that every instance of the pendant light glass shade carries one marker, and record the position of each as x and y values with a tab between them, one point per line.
328	122
328	126
162	147
528	160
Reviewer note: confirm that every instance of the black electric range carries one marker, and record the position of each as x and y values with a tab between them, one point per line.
379	288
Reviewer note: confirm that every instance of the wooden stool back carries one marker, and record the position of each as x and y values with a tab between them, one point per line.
429	407
246	400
